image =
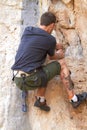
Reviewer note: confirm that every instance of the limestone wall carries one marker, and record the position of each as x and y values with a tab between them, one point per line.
71	31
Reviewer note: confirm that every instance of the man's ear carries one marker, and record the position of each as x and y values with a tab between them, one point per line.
52	24
50	27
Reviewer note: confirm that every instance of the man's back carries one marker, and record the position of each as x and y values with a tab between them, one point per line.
35	45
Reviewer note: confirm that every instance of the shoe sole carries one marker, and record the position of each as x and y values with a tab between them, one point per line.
42	107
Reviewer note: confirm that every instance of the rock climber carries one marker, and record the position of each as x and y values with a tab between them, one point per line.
36	44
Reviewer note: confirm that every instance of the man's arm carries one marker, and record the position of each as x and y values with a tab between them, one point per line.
59	53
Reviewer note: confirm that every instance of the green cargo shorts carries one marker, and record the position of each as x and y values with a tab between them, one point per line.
39	78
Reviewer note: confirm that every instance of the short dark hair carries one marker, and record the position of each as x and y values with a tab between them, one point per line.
47	18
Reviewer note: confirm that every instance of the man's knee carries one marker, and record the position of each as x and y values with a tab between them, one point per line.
52	69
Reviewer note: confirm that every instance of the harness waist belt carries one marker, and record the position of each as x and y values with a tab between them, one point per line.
18	73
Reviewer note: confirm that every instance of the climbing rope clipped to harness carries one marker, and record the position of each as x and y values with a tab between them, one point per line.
24	94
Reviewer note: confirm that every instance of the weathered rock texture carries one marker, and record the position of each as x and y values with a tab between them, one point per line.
71	31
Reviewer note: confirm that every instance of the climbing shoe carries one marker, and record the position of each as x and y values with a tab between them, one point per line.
41	105
81	97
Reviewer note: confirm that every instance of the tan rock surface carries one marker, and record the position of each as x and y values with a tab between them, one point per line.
71	31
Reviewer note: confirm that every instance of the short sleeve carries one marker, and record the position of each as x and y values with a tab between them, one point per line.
52	47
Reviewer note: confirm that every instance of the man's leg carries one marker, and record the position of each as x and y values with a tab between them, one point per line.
46	74
69	86
65	77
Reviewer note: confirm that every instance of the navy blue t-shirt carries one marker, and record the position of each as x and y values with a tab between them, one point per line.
33	49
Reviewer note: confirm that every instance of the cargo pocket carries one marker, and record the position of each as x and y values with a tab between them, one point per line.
33	81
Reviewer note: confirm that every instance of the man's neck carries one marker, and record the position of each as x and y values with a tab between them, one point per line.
45	28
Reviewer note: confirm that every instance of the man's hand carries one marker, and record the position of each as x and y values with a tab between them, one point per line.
60	54
59	46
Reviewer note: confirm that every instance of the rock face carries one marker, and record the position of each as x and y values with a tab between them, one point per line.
71	31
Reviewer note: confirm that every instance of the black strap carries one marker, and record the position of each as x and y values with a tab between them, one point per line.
23	81
14	75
